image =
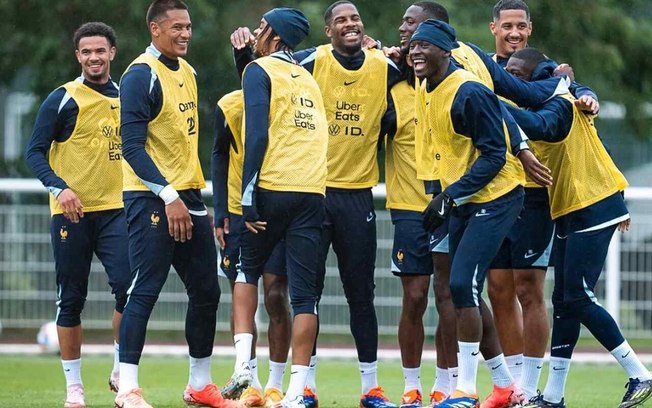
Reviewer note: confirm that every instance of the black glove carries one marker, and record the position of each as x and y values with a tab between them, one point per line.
436	212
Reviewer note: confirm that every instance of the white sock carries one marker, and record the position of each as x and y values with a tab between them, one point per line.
529	383
298	374
116	358
412	377
72	371
499	372
628	359
128	377
276	373
368	375
200	372
253	366
311	380
515	365
557	375
453	375
468	361
442	381
242	343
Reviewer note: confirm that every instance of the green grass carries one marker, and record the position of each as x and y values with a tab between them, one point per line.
37	381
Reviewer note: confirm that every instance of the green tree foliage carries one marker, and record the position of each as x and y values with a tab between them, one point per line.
606	41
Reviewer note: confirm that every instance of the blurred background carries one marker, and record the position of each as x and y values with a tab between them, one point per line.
607	42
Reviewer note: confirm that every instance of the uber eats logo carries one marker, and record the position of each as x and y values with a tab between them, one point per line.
350	113
303	117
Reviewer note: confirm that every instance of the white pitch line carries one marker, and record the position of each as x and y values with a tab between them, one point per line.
325	352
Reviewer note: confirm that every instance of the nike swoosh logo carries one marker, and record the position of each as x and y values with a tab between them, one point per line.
623	356
370	217
67	370
475	353
433	240
181	85
347	83
455	375
527	256
518	364
114	107
481	214
295	76
441	211
539	367
557	368
496	367
293	372
560	237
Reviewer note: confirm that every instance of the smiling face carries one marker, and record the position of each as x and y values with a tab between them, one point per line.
171	34
95	55
413	16
429	61
511	29
345	29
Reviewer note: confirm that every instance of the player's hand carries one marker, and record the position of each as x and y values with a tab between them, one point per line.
241	38
564	70
623	226
220	232
369	43
256	226
539	173
393	53
71	205
588	104
179	221
437	212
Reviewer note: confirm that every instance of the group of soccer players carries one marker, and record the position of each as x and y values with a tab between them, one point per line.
294	161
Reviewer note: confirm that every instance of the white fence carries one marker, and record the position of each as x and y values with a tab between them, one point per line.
27	284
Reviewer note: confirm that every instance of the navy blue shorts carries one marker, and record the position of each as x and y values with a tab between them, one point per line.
411	251
296	218
529	243
230	256
476	232
438	240
101	232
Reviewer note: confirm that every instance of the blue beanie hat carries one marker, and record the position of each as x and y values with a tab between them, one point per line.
436	32
290	24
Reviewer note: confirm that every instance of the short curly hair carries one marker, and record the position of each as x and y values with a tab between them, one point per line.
94	29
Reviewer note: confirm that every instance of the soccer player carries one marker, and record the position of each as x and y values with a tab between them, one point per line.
354	84
482	188
587	206
283	186
78	124
518	272
226	169
168	222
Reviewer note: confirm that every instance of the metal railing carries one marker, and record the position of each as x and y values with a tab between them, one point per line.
27	281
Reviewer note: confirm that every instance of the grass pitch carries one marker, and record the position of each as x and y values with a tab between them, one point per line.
37	381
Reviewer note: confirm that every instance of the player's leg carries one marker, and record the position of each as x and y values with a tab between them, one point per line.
412	263
196	264
354	243
585	256
112	249
474	242
279	331
73	251
151	249
305	213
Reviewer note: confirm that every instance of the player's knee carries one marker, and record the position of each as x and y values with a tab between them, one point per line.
500	294
415	302
69	314
459	292
277	304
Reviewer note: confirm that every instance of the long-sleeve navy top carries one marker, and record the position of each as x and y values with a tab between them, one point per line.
56	121
222	141
476	114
